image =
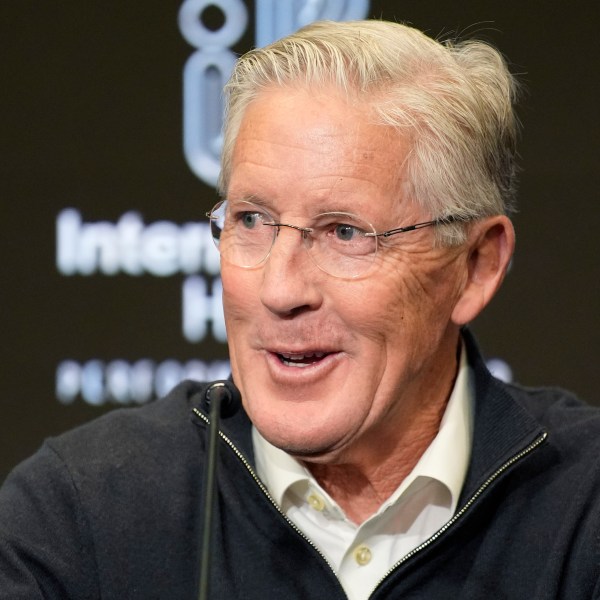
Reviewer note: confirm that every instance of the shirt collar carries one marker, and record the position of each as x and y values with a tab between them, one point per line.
445	460
277	469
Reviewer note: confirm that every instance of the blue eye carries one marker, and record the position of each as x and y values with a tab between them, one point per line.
249	219
345	232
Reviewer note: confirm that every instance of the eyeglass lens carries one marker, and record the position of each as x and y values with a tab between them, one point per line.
245	233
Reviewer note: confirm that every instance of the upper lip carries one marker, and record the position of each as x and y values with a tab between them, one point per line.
296	344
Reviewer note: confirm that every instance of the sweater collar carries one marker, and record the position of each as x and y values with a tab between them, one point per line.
502	427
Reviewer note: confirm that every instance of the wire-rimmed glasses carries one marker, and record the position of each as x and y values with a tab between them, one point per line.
341	244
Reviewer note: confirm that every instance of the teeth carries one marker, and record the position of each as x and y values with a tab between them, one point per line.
295	360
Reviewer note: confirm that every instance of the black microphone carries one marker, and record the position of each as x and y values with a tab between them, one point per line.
226	396
222	399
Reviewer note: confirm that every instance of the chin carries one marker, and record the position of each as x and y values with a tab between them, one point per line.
301	437
319	452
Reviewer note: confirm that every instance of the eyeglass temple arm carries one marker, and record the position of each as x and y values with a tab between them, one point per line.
442	221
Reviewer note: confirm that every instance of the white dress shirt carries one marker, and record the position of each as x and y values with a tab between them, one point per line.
362	554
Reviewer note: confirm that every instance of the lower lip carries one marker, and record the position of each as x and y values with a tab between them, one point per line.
282	373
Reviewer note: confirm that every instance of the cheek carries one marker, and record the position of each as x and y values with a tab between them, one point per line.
430	296
241	309
405	306
373	311
240	294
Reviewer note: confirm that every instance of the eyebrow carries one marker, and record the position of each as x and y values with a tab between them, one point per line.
341	205
250	198
326	206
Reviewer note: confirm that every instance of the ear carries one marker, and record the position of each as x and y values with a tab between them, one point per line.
491	245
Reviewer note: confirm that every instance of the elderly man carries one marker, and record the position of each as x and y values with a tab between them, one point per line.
367	175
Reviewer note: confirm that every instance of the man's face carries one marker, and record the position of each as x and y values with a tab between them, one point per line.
327	366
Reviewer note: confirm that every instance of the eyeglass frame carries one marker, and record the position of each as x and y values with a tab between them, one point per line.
305	231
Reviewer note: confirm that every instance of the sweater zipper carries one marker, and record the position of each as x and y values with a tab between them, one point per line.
461	513
264	490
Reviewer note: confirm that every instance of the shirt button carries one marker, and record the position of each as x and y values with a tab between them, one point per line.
316	502
362	555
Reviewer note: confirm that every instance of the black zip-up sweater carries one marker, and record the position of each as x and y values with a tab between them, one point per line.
111	511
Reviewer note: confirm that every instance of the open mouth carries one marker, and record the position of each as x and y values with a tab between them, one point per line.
301	360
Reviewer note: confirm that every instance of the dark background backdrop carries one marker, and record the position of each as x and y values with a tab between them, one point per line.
91	112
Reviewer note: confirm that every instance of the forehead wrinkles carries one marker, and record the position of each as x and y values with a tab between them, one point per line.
360	154
323	147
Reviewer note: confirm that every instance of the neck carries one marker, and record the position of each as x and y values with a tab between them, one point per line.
360	487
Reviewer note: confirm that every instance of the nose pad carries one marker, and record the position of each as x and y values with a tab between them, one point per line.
303	231
288	284
308	241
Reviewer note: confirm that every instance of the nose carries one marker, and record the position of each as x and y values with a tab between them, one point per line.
290	278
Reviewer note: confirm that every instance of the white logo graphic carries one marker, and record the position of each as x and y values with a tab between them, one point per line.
208	69
204	76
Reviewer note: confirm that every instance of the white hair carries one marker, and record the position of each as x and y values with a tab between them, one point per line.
453	101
